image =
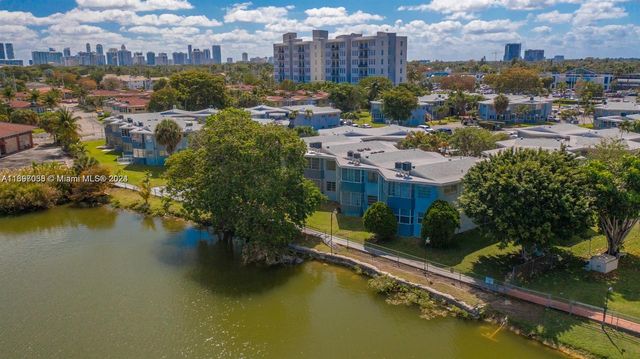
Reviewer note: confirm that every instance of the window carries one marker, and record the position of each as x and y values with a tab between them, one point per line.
403	215
401	190
351	199
313	163
423	192
420	217
372	177
451	189
331	186
351	175
372	199
331	165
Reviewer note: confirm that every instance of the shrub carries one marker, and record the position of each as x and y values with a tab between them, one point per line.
440	223
380	220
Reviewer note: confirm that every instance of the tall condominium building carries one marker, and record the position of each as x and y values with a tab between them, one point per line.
162	59
66	52
512	51
88	45
151	58
197	57
112	56
207	56
347	58
533	55
189	50
124	56
9	50
216	54
180	58
229	60
2	55
99	49
138	59
47	57
245	57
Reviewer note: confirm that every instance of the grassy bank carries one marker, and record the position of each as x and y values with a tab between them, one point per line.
134	172
479	255
127	199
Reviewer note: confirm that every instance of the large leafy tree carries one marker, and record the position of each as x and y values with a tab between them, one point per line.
440	223
346	97
432	142
500	104
245	179
614	179
472	141
458	83
163	99
516	80
25	117
398	103
380	220
374	86
528	197
199	89
168	134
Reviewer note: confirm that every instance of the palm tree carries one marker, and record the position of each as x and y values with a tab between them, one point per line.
168	134
308	113
500	104
52	98
34	95
67	127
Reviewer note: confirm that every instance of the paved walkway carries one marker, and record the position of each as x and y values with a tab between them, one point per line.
571	307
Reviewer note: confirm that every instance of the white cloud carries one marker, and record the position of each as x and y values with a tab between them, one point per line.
164	31
554	17
491	27
541	29
263	15
595	10
137	5
331	16
465	6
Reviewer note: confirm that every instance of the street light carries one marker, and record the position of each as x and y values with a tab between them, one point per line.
331	229
606	303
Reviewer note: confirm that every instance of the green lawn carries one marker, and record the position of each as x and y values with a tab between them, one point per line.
135	173
480	256
365	117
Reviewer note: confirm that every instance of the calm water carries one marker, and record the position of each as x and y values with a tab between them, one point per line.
84	283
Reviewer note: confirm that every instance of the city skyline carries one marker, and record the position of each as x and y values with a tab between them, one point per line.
474	28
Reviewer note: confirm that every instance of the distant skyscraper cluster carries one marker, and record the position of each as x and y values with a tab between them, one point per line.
513	51
122	57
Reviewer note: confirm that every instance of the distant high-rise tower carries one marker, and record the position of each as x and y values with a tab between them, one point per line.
229	60
216	54
151	58
88	45
162	59
9	50
66	52
533	55
512	51
2	56
124	56
207	56
189	50
99	49
112	56
245	57
180	58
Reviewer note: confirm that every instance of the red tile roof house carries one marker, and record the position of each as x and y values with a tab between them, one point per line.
14	138
26	105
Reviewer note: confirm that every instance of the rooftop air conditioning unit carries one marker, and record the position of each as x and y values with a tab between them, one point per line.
406	166
350	154
315	144
357	156
398	166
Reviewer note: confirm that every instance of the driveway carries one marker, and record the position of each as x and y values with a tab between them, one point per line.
38	154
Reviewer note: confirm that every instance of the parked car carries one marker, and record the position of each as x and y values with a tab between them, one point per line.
446	130
366	125
424	127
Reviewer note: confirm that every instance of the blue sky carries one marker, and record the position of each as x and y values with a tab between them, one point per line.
437	29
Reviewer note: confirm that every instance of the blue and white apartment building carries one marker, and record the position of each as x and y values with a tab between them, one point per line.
133	134
428	109
359	167
539	109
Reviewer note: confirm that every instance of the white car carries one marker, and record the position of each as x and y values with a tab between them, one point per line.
424	127
366	125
